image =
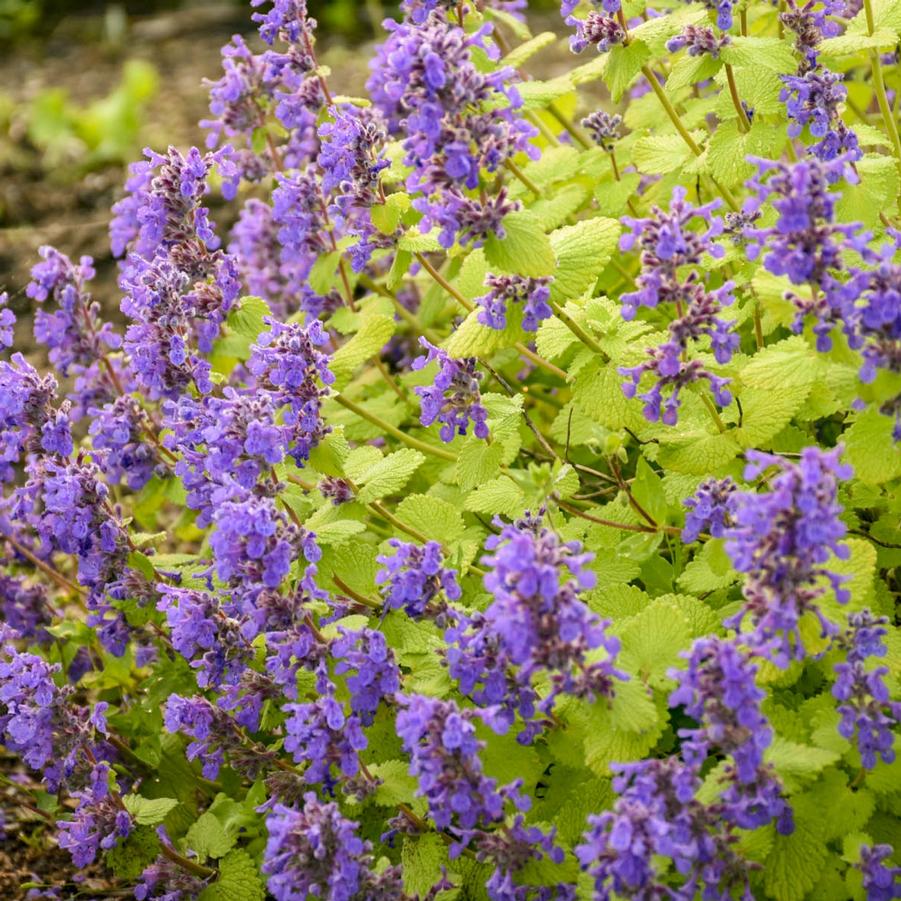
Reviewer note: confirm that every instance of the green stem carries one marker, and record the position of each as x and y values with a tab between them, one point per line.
359	598
518	173
743	120
577	330
884	107
403	437
711	409
185	863
571	129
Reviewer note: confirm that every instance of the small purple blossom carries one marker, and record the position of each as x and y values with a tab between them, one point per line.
412	577
531	294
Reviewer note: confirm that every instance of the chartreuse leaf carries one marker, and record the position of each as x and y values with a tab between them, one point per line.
432	516
147	811
652	641
658	154
131	856
238	880
582	251
472	339
374	333
871	449
757	51
422	858
537	94
396	785
524	249
387	216
624	62
796	763
710	570
389	474
497	496
207	836
599	393
477	463
525	51
245	323
863	201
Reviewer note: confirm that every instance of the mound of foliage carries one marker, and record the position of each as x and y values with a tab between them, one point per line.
508	506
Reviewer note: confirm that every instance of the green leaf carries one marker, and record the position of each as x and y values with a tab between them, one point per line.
434	517
647	489
537	94
130	857
500	495
626	730
389	474
870	448
472	339
477	463
760	52
660	154
422	858
624	62
793	866
323	272
729	148
207	836
416	241
387	216
239	880
849	43
710	570
147	811
582	251
599	393
696	452
374	333
651	643
396	786
525	249
862	202
796	762
243	326
524	52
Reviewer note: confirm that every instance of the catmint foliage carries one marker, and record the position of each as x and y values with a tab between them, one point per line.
505	505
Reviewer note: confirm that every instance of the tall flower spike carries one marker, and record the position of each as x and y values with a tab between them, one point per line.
536	626
412	578
782	540
710	507
454	398
866	708
530	294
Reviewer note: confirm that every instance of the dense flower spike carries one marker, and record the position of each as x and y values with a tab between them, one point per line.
710	508
656	816
866	708
718	691
453	399
781	540
535	627
531	294
458	120
244	580
668	244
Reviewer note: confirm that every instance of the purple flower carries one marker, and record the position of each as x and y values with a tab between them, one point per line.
7	321
656	816
880	882
535	626
369	669
444	757
605	128
700	40
165	880
412	577
598	29
120	428
338	490
454	398
532	294
315	851
25	608
867	709
710	507
781	539
98	822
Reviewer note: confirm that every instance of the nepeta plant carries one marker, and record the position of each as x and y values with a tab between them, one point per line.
508	505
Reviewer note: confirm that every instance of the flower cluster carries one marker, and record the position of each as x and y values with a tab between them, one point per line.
531	294
782	540
866	708
668	245
413	577
535	627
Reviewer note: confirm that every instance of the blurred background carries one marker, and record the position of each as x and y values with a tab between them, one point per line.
86	84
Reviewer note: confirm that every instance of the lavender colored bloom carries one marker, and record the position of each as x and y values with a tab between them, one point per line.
369	669
285	360
709	508
165	880
120	428
598	29
532	294
324	735
668	244
723	10
454	398
867	709
781	540
202	632
412	577
881	882
315	851
74	333
7	321
700	40
458	121
656	815
810	24
25	608
337	490
98	822
536	625
813	99
444	757
718	690
605	128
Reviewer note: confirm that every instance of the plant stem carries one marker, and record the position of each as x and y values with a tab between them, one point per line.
512	167
571	129
469	307
577	330
359	598
743	121
397	523
711	409
884	107
45	568
625	526
186	863
403	437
